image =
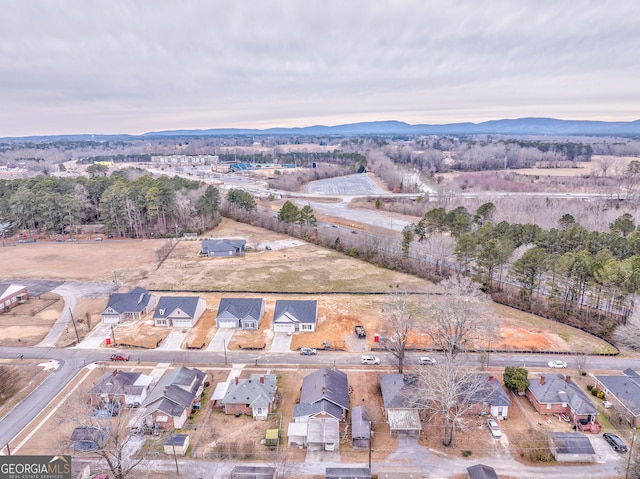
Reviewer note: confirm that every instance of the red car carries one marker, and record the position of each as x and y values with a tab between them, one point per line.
119	357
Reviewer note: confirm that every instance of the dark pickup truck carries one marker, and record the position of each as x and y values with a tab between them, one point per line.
360	332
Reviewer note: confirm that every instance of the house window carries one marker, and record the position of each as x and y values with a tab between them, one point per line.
548	405
259	411
306	327
250	325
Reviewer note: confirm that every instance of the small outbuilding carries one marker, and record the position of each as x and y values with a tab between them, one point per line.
347	473
253	472
572	447
360	427
176	444
480	471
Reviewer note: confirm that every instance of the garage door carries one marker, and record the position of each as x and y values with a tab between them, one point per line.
229	324
181	323
284	328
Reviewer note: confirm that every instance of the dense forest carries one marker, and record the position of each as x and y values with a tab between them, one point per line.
128	203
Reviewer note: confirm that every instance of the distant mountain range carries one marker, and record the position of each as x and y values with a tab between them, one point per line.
520	126
516	127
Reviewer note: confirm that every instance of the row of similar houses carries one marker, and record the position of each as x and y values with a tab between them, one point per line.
290	316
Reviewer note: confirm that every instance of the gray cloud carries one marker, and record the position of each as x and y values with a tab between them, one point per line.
122	66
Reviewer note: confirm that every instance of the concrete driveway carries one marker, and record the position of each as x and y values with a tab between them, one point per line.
221	339
281	343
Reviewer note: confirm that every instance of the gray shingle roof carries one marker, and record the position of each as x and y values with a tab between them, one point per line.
134	301
252	391
557	389
170	395
241	307
491	392
323	406
360	423
222	245
480	471
396	390
303	311
571	443
625	388
167	305
117	382
326	383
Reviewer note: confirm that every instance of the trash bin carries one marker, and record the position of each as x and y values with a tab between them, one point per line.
376	338
107	341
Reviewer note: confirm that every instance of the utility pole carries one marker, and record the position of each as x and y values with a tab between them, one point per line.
175	458
74	326
113	334
370	439
633	439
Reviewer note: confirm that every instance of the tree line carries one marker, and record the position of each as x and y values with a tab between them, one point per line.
128	203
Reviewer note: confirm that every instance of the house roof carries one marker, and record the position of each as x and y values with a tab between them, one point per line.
88	433
556	388
347	473
222	245
480	471
175	391
396	390
491	391
297	311
404	419
571	443
132	302
325	383
252	391
176	440
167	306
297	429
323	406
241	307
253	472
625	388
324	431
360	423
9	289
120	382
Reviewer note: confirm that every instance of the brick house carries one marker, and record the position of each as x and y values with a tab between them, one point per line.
557	394
12	295
254	396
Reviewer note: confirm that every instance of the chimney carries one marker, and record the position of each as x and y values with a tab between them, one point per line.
541	380
568	379
236	379
261	379
490	378
115	372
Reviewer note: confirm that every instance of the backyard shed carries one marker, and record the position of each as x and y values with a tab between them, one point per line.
176	444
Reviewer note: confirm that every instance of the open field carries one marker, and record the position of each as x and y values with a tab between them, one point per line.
305	268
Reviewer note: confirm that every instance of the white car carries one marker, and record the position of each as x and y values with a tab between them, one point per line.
557	364
494	428
369	360
426	360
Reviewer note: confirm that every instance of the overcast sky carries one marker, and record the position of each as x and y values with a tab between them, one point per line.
124	66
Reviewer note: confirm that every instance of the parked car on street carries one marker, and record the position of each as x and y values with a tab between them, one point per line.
557	364
426	360
119	357
615	442
494	428
308	351
366	359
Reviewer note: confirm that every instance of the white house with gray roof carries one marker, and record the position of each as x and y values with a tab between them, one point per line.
240	313
134	305
324	393
291	316
179	311
223	247
254	396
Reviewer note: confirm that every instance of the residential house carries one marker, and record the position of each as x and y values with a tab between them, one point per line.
254	396
557	394
171	402
571	447
223	247
291	316
133	305
402	414
179	311
11	295
480	471
324	394
490	398
88	438
120	386
360	427
623	391
243	313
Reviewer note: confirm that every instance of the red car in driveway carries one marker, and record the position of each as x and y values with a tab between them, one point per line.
119	357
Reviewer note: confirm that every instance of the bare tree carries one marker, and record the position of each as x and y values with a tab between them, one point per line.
456	320
117	448
402	321
628	335
449	389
